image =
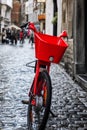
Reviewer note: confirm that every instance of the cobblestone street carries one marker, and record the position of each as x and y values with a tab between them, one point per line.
69	100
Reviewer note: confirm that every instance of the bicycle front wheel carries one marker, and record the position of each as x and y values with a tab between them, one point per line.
38	114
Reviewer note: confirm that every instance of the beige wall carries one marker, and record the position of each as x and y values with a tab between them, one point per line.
59	20
49	16
66	24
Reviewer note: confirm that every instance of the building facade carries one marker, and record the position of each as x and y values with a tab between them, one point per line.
74	20
35	16
80	41
5	14
16	13
71	16
49	17
23	15
31	14
41	14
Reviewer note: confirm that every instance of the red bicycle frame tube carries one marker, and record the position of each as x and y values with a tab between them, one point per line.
39	68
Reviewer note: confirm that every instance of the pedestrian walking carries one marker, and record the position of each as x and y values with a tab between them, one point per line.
21	35
8	35
31	40
28	35
13	36
3	35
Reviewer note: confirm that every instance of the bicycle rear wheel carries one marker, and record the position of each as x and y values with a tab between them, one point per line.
38	114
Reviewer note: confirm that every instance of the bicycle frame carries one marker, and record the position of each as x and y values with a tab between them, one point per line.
40	66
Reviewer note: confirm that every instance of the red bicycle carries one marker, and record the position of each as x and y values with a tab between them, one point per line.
48	49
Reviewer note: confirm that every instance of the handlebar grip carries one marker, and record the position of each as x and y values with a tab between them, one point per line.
63	34
32	26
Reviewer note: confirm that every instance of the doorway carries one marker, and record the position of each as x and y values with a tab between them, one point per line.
85	5
54	13
80	41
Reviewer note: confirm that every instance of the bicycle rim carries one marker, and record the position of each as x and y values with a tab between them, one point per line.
38	114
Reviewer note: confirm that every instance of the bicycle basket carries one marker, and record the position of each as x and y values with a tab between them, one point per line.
49	48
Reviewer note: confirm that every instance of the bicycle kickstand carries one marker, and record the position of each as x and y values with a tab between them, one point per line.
53	115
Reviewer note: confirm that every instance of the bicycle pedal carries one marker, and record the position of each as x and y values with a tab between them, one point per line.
25	102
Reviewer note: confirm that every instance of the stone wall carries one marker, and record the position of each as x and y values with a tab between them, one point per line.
64	23
68	59
67	24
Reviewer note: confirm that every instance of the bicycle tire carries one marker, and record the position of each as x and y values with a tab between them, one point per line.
40	121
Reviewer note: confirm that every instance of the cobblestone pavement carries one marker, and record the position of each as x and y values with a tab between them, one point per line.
69	100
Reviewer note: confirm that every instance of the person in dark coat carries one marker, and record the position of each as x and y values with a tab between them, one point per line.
8	35
3	35
21	35
13	36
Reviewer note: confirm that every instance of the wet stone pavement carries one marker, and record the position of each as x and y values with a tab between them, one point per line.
69	100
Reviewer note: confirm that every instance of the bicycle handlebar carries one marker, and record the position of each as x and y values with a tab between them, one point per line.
24	25
63	34
32	27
